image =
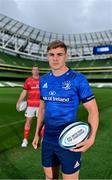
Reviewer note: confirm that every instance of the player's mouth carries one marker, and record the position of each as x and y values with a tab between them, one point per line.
55	64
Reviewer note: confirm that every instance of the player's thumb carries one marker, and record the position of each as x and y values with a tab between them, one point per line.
17	107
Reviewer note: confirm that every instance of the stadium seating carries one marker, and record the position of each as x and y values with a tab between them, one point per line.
22	46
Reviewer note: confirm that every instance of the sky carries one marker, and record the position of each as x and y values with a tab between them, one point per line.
61	16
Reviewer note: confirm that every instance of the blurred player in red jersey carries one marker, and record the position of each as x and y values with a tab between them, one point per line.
31	90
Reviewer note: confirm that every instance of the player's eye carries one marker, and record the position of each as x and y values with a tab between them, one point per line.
60	54
51	54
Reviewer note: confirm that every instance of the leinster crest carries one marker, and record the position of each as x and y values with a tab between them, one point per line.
66	85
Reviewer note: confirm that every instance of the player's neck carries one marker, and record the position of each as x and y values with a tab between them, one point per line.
35	77
61	71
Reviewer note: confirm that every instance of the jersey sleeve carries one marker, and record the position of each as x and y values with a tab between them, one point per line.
84	90
26	85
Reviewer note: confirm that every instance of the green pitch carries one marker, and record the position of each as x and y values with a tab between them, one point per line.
18	163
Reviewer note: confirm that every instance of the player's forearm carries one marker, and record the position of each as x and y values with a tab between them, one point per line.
22	96
93	116
93	119
39	121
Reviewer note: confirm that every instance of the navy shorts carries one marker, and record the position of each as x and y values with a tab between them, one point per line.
54	155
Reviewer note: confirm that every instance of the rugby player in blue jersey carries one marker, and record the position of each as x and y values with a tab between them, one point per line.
62	90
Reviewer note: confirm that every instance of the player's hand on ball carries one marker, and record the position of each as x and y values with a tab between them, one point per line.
17	107
84	146
36	142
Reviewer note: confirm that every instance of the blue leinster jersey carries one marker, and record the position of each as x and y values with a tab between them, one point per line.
62	96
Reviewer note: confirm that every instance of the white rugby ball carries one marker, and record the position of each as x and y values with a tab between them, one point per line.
23	106
74	134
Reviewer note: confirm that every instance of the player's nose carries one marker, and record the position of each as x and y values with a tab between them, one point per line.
55	58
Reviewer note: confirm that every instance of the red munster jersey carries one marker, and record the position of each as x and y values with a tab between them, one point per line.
32	86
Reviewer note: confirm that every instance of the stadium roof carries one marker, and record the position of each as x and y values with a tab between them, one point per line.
19	38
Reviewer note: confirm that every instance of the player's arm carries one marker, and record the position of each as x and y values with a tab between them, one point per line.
93	116
39	126
93	119
21	97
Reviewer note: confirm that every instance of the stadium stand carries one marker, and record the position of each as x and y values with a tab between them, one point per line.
22	46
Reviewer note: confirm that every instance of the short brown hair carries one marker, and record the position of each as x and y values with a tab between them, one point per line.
56	44
35	66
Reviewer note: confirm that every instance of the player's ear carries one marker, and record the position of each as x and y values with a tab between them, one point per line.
67	56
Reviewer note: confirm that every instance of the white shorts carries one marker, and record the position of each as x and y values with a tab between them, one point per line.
31	111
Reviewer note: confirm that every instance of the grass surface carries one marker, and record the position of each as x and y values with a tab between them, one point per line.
18	163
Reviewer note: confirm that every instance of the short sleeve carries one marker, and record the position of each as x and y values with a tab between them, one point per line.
26	85
84	90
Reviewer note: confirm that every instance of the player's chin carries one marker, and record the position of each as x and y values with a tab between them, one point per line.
55	67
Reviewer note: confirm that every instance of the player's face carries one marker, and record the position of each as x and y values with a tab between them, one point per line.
57	58
35	71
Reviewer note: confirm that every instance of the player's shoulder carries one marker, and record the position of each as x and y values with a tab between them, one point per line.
75	75
28	79
45	76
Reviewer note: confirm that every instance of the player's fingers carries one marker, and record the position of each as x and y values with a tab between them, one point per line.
81	149
82	144
34	143
17	108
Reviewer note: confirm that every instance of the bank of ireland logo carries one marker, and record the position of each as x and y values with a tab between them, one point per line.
52	93
66	85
